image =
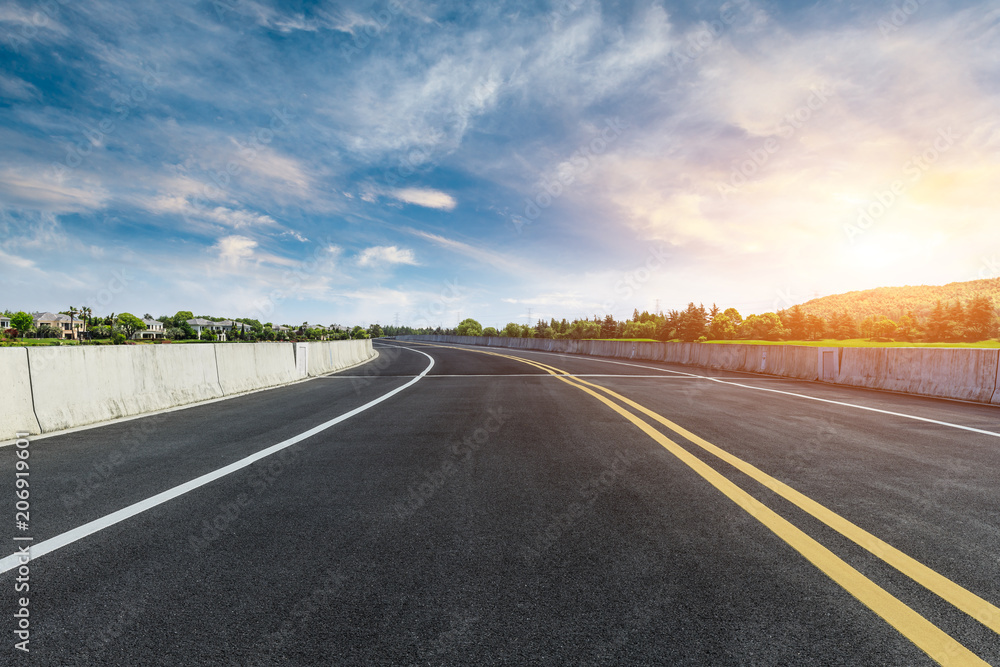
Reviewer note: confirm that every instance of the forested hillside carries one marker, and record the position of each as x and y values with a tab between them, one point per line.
894	302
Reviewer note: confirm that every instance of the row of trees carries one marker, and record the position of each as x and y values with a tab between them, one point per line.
975	320
119	328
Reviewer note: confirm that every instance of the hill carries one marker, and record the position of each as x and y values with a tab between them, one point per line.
893	302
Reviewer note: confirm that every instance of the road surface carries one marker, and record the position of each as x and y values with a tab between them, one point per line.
465	506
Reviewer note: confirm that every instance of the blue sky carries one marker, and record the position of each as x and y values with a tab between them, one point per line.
354	162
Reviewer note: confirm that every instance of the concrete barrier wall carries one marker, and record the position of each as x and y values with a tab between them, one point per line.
17	413
248	367
66	387
967	374
75	386
961	373
330	356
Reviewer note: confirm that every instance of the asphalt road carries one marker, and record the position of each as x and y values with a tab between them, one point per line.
493	513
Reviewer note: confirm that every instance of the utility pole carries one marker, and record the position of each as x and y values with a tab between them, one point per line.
529	317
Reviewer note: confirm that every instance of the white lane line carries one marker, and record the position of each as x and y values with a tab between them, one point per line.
539	374
48	546
778	391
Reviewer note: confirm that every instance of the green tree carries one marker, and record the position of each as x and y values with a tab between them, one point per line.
979	318
48	331
129	324
469	327
23	322
721	328
491	331
795	321
884	328
358	333
375	331
938	325
692	323
733	315
763	327
182	316
815	327
908	327
609	327
512	330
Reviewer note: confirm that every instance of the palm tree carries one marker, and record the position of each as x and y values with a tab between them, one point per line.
86	312
72	312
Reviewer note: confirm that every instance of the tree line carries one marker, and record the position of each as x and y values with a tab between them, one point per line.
973	321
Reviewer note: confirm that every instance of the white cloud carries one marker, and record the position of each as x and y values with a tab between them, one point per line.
378	255
16	261
489	257
238	219
30	189
424	197
234	250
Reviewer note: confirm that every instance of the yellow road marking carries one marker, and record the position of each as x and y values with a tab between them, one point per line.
929	638
963	599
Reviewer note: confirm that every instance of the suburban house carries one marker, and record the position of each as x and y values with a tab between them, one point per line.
4	322
219	328
68	327
200	324
324	332
153	331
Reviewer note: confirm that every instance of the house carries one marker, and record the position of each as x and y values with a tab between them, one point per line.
200	324
219	328
68	327
324	333
153	331
4	322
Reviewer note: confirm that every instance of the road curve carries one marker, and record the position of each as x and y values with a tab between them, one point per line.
444	505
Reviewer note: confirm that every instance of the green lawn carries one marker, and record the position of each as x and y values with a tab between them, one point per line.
856	342
829	342
40	342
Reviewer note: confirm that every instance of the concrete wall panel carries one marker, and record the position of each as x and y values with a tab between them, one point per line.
75	386
247	367
17	412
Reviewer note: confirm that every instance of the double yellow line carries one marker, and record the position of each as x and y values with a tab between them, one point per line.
928	637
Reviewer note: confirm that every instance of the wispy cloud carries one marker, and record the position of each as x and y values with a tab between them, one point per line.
424	197
451	116
382	255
